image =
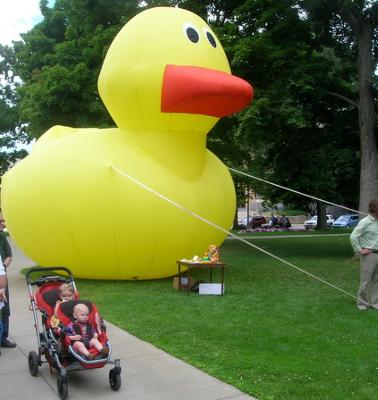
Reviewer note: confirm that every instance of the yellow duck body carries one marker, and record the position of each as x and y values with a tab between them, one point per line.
71	201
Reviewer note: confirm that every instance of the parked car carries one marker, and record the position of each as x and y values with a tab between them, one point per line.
346	221
253	221
312	222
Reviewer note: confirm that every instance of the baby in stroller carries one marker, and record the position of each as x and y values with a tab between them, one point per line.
77	340
82	334
66	293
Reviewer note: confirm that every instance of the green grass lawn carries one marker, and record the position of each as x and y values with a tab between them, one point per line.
276	334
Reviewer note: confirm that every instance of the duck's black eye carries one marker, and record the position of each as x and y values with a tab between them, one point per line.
211	38
191	33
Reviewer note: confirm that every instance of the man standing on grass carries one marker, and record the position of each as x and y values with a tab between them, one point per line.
6	259
364	241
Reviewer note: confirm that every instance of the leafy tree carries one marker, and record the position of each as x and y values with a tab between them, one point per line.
59	61
356	24
11	136
295	133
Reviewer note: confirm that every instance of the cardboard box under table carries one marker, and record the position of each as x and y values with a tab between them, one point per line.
184	282
190	266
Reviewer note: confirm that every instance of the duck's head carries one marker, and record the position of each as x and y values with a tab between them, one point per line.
166	70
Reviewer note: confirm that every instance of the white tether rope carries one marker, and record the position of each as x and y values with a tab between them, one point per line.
188	211
294	191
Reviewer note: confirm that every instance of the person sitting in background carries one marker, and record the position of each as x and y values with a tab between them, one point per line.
285	222
273	221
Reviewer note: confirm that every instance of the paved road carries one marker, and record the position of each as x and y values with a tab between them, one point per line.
148	373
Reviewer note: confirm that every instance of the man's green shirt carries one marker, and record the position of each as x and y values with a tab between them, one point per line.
5	249
365	234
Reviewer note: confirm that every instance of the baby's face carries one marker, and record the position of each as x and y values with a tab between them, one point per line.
68	295
81	314
66	291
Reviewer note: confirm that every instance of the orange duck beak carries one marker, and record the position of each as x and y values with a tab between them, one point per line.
196	90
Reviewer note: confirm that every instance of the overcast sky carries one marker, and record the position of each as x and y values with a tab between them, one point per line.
17	16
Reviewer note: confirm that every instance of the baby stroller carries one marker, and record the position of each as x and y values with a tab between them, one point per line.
53	343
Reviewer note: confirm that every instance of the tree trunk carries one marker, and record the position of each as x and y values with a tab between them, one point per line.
235	224
322	217
363	29
247	224
369	153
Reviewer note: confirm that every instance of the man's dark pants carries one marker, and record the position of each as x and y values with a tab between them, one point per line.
5	317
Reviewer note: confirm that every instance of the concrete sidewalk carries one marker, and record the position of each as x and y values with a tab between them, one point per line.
147	372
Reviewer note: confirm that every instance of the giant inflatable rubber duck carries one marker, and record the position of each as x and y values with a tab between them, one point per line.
165	81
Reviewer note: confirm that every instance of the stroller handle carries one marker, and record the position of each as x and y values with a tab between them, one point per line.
41	280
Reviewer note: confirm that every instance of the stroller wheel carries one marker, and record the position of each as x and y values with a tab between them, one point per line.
114	379
33	363
62	387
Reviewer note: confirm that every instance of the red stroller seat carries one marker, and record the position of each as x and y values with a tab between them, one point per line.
65	314
53	344
46	298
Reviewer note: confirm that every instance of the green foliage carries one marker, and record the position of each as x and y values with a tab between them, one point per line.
59	61
11	135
